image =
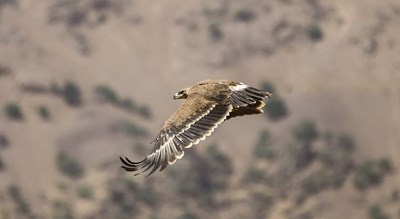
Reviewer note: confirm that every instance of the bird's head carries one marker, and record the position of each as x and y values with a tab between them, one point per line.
182	94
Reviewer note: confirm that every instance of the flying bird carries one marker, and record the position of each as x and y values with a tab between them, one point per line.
207	104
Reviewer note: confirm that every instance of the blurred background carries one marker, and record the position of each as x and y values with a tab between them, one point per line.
83	82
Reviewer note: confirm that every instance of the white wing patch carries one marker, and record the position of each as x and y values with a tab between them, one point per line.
238	87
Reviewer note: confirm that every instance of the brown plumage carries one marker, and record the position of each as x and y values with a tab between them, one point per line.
207	104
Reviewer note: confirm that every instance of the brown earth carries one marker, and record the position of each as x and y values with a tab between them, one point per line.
349	81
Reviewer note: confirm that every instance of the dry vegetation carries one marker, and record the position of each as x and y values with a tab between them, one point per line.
83	82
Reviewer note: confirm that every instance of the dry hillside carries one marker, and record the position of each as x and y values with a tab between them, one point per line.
83	82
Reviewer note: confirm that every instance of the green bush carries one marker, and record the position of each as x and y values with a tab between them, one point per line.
371	173
2	167
395	195
320	180
106	94
268	86
376	212
220	159
132	129
245	15
23	206
55	89
306	132
4	70
315	33
346	142
215	31
188	215
127	104
62	210
85	192
72	94
261	203
301	155
276	109
206	176
13	111
254	175
263	149
126	195
69	165
144	111
43	112
3	141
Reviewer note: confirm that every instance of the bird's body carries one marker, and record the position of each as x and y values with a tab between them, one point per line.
207	104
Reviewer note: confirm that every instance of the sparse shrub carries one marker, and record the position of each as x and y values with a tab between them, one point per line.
85	192
315	33
72	94
23	206
321	180
132	129
126	195
206	177
261	204
220	160
268	86
188	215
254	175
276	109
245	15
304	215
3	141
215	31
385	165
55	89
146	194
4	70
376	212
127	104
101	4
306	132
43	112
144	111
33	88
76	17
69	165
13	111
395	195
346	142
62	210
106	94
302	155
340	165
371	173
263	149
2	166
328	137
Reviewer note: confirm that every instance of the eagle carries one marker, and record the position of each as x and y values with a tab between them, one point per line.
206	105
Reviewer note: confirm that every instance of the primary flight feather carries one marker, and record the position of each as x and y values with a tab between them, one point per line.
207	104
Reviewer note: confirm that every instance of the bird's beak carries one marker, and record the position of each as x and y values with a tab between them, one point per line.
176	96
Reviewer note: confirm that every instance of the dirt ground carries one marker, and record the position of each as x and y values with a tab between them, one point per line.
348	81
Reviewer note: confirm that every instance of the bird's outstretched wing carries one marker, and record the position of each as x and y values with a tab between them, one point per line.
194	120
246	100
